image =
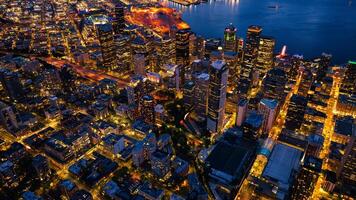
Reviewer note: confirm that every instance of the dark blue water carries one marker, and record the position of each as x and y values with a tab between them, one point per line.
307	27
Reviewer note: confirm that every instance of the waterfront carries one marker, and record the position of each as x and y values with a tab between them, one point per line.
306	27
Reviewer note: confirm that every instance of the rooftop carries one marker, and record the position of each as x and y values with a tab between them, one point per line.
345	126
219	64
203	76
284	159
313	163
151	191
228	158
270	103
254	119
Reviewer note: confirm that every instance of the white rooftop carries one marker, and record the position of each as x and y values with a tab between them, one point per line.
203	76
218	64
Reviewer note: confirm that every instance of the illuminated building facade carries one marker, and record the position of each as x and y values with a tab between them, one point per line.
231	59
136	90
274	83
188	94
192	42
201	94
148	109
170	76
52	82
166	51
118	22
348	85
265	55
249	58
347	169
217	96
182	51
306	179
199	47
347	99
251	50
123	53
108	51
160	162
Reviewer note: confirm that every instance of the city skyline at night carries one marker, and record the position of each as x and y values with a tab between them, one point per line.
177	99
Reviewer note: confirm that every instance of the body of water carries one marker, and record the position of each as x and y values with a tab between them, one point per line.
307	27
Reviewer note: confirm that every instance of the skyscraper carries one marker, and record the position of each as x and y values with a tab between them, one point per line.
199	47
182	51
251	50
108	51
249	58
217	96
230	41
274	83
192	39
165	49
148	109
265	55
123	52
188	94
119	19
12	85
201	94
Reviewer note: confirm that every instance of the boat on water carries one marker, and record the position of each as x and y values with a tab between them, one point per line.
277	6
